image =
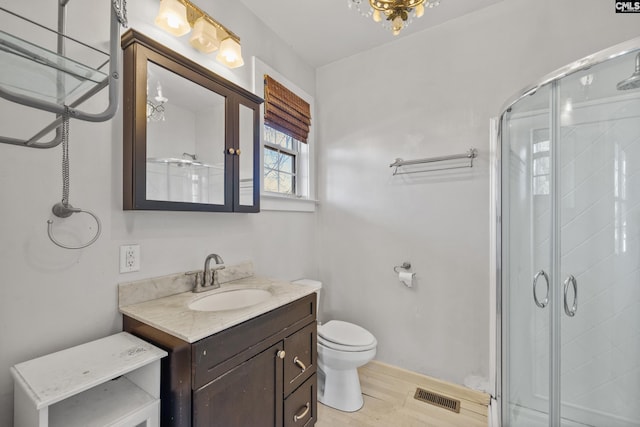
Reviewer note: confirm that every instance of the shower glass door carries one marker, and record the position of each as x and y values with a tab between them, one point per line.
526	250
599	186
570	193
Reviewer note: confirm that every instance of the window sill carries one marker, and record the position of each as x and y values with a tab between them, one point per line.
276	202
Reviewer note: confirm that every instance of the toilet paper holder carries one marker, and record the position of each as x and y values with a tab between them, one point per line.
405	266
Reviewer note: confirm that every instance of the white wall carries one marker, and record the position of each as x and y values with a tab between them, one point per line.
52	298
431	94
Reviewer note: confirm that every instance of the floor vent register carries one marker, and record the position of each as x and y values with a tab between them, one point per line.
438	400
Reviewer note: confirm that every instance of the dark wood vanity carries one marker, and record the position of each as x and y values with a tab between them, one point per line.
261	372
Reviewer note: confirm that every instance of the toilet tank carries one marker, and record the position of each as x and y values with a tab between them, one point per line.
316	285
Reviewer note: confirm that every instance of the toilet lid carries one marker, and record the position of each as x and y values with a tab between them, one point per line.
345	333
348	348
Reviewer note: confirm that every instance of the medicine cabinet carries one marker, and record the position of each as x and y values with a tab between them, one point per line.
191	137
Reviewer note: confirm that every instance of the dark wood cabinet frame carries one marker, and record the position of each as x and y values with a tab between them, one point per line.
138	50
190	372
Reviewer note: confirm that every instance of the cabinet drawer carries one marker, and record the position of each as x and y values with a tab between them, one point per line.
300	359
300	409
213	356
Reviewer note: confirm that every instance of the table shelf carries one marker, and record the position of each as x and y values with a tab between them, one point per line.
113	381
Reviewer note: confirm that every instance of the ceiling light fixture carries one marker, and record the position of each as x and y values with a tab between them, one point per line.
394	14
208	34
155	110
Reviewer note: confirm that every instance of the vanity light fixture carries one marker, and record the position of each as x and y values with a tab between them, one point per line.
208	34
230	53
396	13
172	17
204	36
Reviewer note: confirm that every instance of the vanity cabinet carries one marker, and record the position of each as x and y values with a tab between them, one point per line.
191	139
261	372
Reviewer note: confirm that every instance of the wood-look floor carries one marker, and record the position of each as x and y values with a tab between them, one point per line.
388	402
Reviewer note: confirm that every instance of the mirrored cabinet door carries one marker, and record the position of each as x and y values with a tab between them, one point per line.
190	137
248	158
185	140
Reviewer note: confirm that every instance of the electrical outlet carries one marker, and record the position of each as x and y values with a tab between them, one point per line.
129	258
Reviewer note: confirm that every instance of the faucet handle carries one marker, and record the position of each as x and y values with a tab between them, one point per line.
199	282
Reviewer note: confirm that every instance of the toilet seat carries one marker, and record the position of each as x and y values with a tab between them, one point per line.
345	336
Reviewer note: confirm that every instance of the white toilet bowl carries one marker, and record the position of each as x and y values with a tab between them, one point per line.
342	348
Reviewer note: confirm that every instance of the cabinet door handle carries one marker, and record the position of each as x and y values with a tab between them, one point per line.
281	354
238	152
231	151
299	363
303	414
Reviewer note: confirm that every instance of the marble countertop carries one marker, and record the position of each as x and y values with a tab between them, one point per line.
172	315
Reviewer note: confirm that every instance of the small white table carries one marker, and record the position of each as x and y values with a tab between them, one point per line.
113	381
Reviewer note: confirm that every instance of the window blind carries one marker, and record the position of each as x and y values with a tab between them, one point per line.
286	111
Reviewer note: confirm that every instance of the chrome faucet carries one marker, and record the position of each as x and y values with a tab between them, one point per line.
209	277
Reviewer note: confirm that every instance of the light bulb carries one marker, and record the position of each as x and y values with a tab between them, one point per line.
376	15
419	10
159	97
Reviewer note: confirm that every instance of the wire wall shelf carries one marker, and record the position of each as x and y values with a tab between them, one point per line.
454	161
41	70
47	70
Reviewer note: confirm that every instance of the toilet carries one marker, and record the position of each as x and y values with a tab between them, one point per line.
342	348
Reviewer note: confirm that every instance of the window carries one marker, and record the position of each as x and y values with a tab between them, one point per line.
281	155
541	162
287	122
288	144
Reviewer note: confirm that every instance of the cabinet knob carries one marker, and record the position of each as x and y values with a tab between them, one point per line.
231	151
238	152
281	354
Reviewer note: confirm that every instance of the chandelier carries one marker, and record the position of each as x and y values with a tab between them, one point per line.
155	110
394	14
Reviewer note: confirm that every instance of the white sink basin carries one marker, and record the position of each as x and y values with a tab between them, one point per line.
230	300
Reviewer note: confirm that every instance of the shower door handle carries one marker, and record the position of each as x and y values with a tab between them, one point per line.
574	307
545	301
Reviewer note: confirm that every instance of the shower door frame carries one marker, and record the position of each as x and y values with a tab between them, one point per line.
496	227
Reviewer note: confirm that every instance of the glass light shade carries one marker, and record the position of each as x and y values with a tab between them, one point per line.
172	17
204	36
397	25
230	53
377	17
419	10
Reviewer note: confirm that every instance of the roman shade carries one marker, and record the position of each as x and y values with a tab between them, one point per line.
286	111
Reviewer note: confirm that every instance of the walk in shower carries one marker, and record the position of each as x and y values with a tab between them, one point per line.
569	246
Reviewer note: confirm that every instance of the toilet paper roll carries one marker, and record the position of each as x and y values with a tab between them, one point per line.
406	278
